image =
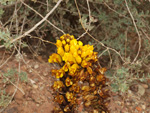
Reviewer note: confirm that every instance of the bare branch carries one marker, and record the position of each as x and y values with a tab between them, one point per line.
36	25
43	17
136	31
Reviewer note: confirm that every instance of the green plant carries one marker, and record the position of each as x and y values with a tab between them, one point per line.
10	76
4	98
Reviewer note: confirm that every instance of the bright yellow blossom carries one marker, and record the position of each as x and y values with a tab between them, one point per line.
68	57
66	48
78	59
67	40
59	73
73	49
60	51
62	37
66	66
80	43
73	69
58	43
55	58
73	42
63	42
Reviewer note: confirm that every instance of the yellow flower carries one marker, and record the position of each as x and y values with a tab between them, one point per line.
80	43
78	59
68	58
67	40
54	71
69	96
66	66
58	85
73	42
84	63
87	50
68	82
64	42
58	43
71	37
79	52
62	37
92	57
73	49
73	69
59	98
60	51
67	48
59	73
54	58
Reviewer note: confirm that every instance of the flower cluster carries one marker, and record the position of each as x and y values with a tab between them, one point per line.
79	74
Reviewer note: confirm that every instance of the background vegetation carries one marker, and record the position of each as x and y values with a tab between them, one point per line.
118	29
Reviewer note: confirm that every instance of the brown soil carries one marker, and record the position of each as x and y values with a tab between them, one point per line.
37	97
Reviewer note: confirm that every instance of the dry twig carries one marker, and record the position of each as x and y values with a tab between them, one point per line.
136	31
95	38
36	25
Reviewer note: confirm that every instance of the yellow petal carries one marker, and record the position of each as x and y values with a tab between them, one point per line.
80	43
60	51
58	43
73	69
68	57
68	82
69	96
67	48
55	58
63	42
78	59
73	42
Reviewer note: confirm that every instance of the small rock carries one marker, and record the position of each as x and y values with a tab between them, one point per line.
141	90
37	105
45	74
143	107
35	86
36	66
30	70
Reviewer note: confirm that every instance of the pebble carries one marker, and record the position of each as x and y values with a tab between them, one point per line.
35	86
143	107
36	66
37	105
30	70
